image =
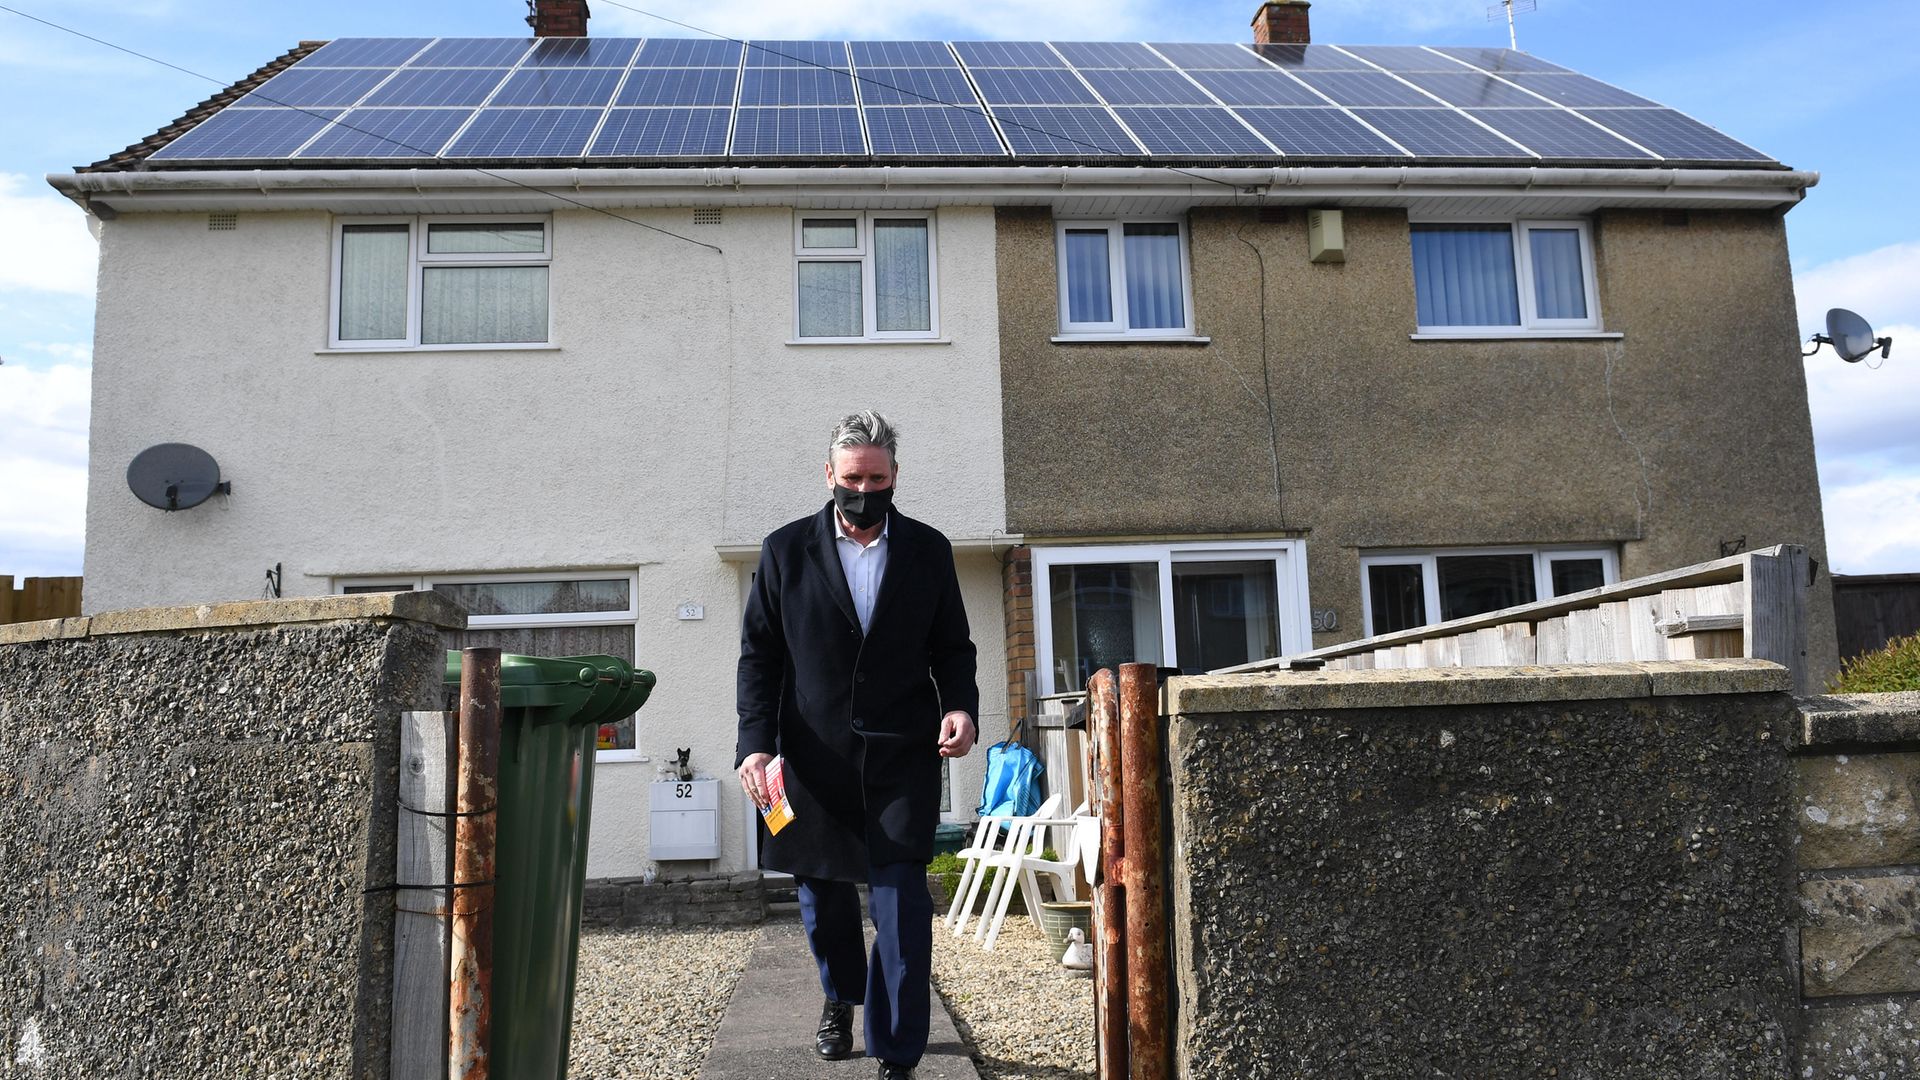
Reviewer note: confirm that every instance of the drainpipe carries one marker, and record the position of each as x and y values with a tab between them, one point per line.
470	1030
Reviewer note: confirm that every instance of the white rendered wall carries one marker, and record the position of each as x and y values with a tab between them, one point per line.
672	418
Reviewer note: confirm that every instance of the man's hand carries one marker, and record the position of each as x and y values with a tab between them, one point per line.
956	734
753	778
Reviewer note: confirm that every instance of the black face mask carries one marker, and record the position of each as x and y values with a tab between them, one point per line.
863	509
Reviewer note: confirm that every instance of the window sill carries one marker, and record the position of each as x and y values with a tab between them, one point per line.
1525	335
402	350
810	342
608	757
1130	339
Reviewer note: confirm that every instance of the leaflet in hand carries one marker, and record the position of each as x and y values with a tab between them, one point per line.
778	813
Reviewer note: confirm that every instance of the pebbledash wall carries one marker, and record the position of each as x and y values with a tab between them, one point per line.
1688	431
671	421
1655	871
194	803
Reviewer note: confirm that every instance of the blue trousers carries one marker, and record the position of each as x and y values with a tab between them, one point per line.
893	983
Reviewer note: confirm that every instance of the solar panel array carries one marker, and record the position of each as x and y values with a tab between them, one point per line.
393	100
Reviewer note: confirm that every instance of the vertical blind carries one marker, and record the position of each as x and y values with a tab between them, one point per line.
1463	275
1559	286
1089	277
902	276
373	282
1155	298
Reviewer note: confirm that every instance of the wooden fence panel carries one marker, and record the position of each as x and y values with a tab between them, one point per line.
39	598
421	919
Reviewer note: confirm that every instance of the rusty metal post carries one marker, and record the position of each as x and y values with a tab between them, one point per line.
470	1031
1147	1016
1109	899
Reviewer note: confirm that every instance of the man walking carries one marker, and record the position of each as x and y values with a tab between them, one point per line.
857	667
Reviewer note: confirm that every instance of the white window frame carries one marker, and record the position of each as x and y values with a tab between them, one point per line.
418	260
1428	559
630	616
1117	279
863	253
1531	324
1291	607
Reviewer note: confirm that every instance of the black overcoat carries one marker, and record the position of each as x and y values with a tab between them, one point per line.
856	715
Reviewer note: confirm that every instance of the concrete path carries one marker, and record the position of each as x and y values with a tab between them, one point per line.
767	1033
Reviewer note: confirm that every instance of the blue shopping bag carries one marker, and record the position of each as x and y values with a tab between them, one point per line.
1012	787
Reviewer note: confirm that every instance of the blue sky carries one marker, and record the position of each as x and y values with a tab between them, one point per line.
1822	86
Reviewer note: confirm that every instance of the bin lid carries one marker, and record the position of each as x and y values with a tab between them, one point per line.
582	690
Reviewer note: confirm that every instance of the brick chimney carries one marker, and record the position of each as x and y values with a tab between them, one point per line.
561	18
1281	22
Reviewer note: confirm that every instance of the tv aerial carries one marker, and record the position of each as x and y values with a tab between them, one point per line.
1851	336
1510	8
175	476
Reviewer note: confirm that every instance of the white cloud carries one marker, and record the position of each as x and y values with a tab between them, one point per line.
43	455
74	352
48	246
1873	525
1883	285
1061	19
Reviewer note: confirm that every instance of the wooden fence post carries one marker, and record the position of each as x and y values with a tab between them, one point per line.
1776	600
422	856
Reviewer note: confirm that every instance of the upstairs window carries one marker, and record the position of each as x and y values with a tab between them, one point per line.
1124	278
1406	589
864	277
1477	278
403	283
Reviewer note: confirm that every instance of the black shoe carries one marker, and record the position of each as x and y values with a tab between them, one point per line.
834	1040
890	1071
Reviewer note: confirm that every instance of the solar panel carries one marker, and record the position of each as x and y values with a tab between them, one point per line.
1557	133
931	130
438	86
1210	56
1403	58
1110	54
517	133
1439	132
688	52
1012	86
1257	88
1311	58
678	86
1500	60
1472	89
1364	88
365	52
1064	131
1674	135
1576	90
798	132
1146	88
323	87
584	52
914	86
795	86
992	54
797	54
1210	132
388	133
902	54
473	52
1318	132
662	133
244	134
559	86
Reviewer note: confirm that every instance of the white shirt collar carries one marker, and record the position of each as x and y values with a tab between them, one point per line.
840	530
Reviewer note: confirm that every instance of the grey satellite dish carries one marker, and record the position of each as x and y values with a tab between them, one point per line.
175	476
1851	336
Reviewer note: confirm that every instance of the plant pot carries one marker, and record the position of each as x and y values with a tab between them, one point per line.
1058	917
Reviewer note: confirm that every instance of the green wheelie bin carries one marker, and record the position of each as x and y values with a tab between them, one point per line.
551	709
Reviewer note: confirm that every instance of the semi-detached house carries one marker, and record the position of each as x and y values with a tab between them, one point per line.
1203	352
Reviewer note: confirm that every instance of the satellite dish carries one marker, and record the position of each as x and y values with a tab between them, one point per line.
175	476
1851	336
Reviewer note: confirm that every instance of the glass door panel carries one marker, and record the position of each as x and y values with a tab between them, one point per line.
1104	615
1224	613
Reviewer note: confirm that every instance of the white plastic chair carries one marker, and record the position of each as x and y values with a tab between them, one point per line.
1021	861
987	844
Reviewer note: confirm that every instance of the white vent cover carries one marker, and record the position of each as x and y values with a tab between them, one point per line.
708	216
226	222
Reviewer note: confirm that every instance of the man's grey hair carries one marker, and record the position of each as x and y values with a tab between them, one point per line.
865	428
